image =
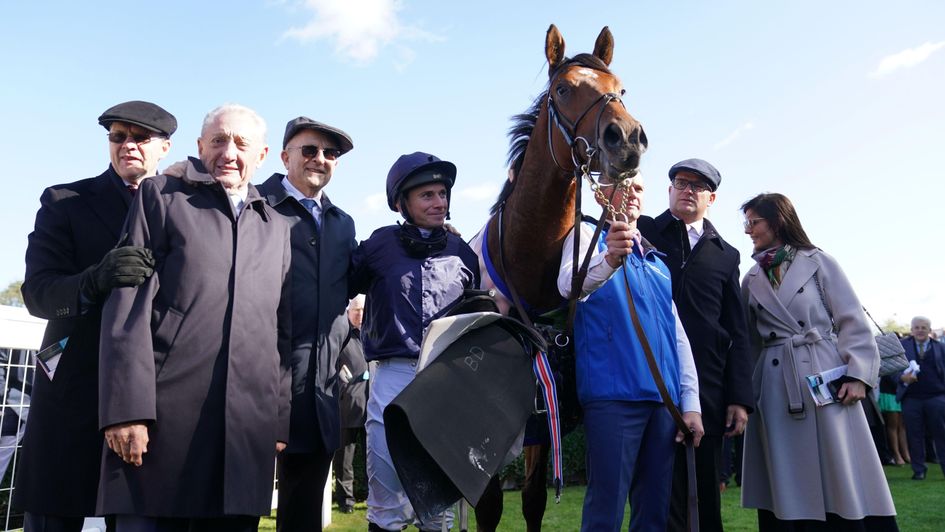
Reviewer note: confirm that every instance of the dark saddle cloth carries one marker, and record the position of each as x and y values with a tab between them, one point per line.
451	429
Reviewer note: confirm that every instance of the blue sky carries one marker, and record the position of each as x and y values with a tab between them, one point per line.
837	104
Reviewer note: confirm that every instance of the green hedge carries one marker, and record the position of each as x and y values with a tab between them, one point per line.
573	448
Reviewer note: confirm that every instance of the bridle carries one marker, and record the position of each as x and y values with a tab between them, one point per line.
568	129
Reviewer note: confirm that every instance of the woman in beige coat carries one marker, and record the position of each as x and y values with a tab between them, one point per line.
807	467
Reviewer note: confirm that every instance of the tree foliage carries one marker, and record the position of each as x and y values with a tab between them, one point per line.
11	295
890	325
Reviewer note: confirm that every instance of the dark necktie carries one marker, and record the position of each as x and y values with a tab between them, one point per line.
132	189
684	240
309	205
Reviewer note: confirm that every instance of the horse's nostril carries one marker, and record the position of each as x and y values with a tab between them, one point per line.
613	136
642	137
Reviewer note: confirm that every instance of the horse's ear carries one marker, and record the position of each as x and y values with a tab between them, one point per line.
604	47
554	48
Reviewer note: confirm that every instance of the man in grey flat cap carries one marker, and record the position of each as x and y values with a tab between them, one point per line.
322	239
72	263
707	294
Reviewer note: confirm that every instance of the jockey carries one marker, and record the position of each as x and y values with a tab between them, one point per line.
411	272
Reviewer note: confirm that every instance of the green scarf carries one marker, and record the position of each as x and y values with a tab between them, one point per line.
775	262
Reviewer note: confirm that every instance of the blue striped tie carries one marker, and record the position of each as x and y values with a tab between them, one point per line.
310	206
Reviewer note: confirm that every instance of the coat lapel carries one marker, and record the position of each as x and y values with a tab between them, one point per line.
760	287
109	202
800	271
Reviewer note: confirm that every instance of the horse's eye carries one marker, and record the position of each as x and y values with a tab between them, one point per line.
623	91
561	90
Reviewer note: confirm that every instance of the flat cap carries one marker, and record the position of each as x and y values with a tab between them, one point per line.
303	122
698	166
145	114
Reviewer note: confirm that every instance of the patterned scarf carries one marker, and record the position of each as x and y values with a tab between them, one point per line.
775	262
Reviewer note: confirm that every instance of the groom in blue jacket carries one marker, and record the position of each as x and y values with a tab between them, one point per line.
628	429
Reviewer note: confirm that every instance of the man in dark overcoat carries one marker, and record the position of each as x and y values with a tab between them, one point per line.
922	394
354	374
322	238
194	375
71	265
707	293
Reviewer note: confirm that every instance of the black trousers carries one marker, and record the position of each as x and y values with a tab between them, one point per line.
344	465
302	478
924	416
33	522
708	463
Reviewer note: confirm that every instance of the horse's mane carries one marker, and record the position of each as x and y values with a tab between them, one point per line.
523	125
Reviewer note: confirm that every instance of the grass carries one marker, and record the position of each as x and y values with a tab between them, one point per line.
921	508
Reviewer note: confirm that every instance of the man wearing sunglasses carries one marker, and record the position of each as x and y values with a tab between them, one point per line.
707	294
322	241
72	263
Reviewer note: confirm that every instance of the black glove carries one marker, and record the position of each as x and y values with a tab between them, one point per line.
124	266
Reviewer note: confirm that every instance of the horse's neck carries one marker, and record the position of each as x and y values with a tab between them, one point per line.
542	206
536	219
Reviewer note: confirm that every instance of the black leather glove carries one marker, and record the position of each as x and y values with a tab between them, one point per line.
124	266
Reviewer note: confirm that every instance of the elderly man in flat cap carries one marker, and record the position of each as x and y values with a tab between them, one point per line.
707	294
72	263
322	241
194	379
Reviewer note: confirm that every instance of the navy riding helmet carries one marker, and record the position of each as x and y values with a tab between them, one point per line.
415	169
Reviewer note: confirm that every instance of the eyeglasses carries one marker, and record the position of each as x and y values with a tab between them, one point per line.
695	186
120	137
309	151
750	223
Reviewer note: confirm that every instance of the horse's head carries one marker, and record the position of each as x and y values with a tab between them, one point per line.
584	105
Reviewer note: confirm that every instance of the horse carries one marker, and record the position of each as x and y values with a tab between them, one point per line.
578	126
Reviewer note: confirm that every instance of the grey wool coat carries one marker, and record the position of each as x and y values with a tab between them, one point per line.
814	460
199	353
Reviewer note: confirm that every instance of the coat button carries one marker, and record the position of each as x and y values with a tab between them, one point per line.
312	241
775	362
773	335
800	322
800	290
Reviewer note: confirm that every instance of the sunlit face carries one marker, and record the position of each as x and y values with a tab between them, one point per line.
633	195
762	236
688	205
309	174
921	330
231	148
355	315
427	205
134	161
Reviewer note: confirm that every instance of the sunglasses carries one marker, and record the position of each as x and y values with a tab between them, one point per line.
310	151
120	137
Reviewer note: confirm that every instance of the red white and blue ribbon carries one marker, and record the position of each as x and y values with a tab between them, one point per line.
547	382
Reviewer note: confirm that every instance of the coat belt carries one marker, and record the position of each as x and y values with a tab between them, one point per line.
792	384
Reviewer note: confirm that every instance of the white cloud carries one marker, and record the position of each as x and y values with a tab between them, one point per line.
747	126
359	29
905	59
480	192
